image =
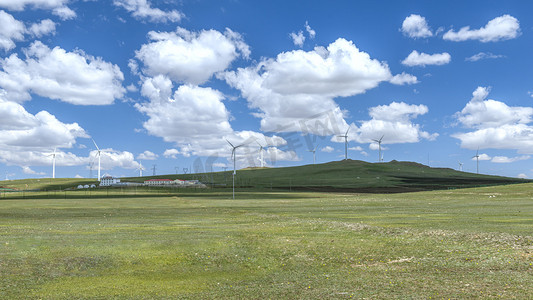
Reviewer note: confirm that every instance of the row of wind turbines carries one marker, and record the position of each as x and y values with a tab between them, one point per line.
261	158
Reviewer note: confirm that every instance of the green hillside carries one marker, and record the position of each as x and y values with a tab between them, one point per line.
338	176
349	176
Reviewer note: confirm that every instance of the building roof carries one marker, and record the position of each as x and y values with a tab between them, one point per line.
158	180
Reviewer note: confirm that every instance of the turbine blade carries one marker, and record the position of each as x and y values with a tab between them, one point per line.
347	131
96	145
230	144
381	138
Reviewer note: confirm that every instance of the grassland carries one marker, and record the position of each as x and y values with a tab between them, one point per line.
464	243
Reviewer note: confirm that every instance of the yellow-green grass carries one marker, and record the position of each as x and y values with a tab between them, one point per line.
466	243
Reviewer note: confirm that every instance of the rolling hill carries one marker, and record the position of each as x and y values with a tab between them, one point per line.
348	176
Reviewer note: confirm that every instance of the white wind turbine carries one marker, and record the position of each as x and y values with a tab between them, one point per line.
460	166
477	160
53	155
141	169
380	158
233	156
99	153
345	136
261	151
314	154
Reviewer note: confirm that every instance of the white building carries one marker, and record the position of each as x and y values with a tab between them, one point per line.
159	182
108	180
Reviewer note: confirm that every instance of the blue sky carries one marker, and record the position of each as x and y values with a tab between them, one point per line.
166	83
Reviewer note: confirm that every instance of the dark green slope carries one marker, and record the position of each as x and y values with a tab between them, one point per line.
350	176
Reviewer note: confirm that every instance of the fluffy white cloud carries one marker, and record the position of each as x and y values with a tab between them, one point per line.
111	158
172	153
142	9
403	78
22	130
28	170
190	57
11	30
73	77
505	159
294	92
495	124
327	149
45	27
522	175
423	59
416	26
58	7
483	55
192	112
25	158
481	113
394	123
310	31
147	155
194	118
298	38
501	28
482	156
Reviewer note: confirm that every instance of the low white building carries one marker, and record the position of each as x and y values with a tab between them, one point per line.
109	180
159	182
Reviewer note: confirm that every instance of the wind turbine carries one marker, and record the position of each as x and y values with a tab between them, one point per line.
53	155
380	159
345	136
261	151
477	160
99	153
314	156
460	166
233	156
141	169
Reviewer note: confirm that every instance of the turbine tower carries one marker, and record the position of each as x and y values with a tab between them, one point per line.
477	160
233	156
314	156
261	151
345	136
380	159
99	153
53	155
141	169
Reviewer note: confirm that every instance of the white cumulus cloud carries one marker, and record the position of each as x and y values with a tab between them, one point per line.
394	123
423	59
495	125
403	78
142	9
297	38
327	149
501	28
11	30
190	57
73	77
294	92
147	155
58	7
505	159
171	153
416	26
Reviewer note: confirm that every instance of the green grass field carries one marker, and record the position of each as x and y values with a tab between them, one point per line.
464	243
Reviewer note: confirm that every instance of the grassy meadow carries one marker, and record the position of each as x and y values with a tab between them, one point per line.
463	243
